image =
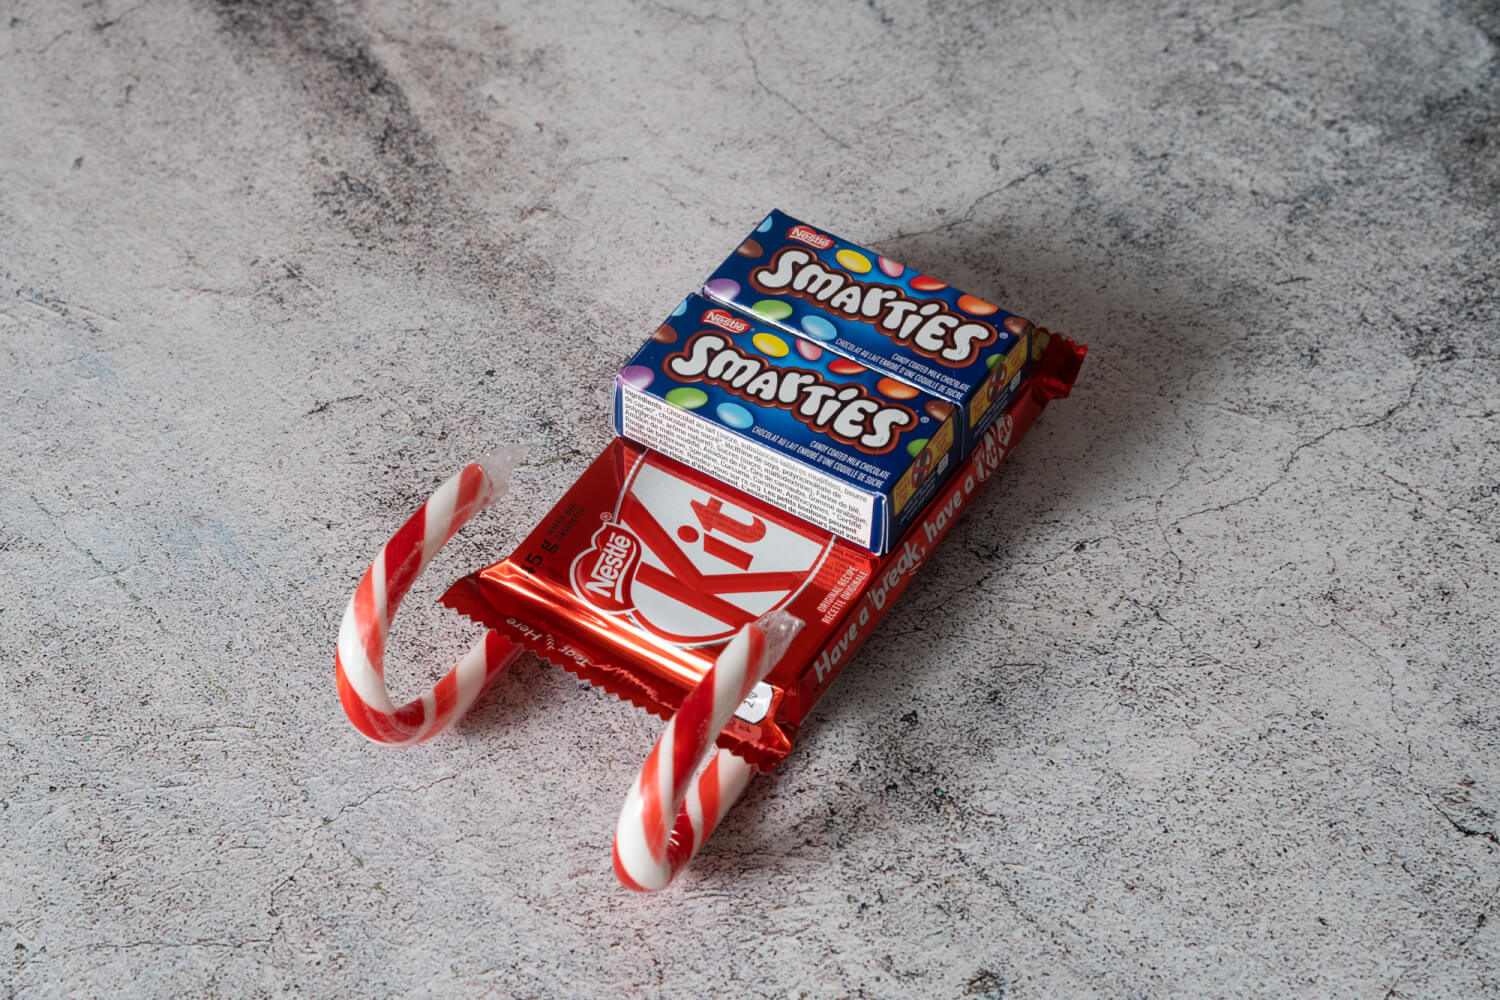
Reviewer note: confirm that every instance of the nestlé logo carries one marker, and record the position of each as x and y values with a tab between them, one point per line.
724	321
602	573
811	237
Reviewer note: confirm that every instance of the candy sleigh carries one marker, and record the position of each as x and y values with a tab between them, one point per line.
790	455
661	638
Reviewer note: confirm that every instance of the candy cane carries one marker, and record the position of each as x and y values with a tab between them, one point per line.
673	806
367	621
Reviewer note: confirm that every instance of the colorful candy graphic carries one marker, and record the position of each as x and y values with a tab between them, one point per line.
976	306
772	309
686	397
765	227
681	308
915	446
890	268
939	410
750	248
894	389
665	335
843	366
723	288
922	283
853	260
770	345
735	415
809	350
637	376
817	326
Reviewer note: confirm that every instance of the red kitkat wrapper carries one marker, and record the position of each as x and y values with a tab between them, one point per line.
639	575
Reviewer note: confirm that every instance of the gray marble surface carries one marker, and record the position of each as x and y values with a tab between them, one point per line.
1198	701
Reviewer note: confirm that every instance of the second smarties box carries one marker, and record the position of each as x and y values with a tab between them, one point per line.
813	285
844	447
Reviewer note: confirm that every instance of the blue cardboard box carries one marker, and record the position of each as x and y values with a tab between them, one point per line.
843	446
813	285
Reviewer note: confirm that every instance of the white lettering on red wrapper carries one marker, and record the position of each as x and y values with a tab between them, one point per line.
935	523
602	573
709	566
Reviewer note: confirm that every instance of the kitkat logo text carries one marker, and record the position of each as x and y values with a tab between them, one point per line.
992	448
709	564
602	573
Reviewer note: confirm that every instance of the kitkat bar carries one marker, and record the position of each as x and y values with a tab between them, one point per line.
645	568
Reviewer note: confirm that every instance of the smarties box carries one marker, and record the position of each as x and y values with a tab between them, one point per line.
848	449
813	285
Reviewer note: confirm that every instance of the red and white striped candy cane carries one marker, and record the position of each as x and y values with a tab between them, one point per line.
367	621
673	806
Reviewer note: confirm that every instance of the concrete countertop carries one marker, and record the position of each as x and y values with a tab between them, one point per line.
1199	700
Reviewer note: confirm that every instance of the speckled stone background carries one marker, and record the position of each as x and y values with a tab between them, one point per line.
1200	700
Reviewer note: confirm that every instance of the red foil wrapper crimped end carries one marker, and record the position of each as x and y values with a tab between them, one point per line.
639	575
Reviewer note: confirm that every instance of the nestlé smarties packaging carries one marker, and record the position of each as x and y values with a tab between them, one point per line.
815	286
844	447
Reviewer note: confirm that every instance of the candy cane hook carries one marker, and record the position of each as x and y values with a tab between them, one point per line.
673	805
359	660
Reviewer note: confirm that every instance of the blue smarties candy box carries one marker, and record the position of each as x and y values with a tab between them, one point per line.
873	310
837	444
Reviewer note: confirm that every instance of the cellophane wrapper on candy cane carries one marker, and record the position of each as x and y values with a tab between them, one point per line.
643	571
